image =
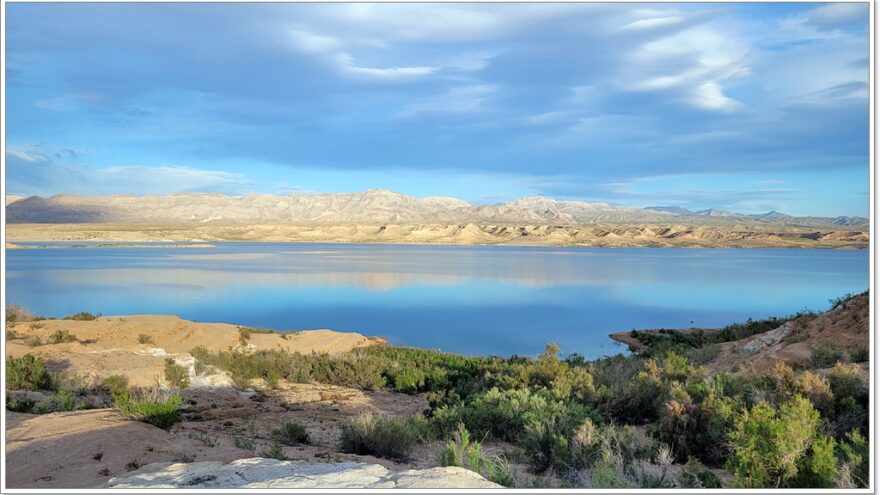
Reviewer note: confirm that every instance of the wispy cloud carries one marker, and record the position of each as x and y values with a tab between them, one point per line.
330	50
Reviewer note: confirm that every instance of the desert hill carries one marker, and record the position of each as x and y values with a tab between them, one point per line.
372	206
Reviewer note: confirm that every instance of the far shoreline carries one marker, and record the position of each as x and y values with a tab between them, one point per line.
541	236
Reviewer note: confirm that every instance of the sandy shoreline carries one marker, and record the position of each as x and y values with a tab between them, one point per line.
113	344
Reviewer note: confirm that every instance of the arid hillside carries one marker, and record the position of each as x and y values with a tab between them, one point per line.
610	235
376	206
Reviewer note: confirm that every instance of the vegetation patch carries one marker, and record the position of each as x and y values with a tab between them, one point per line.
383	436
175	374
27	373
62	337
462	451
825	357
291	433
83	316
155	406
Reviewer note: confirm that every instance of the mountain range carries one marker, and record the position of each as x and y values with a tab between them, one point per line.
371	206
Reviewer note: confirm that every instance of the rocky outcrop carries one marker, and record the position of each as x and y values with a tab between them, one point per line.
270	473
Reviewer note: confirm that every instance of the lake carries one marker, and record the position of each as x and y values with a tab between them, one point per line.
467	299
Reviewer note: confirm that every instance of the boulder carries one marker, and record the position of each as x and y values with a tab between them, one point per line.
270	473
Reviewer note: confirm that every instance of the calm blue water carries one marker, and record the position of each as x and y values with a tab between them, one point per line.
474	300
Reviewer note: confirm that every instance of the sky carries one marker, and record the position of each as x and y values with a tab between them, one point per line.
743	107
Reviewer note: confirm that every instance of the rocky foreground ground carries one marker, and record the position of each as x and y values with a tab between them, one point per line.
100	448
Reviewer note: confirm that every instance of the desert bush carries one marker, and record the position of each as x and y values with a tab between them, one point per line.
291	433
505	414
62	337
17	314
846	381
66	400
244	443
461	451
19	405
383	436
275	452
33	341
546	444
855	464
696	475
825	357
609	472
860	354
27	373
83	316
768	447
407	380
205	439
244	334
175	374
155	406
816	389
114	384
818	469
144	339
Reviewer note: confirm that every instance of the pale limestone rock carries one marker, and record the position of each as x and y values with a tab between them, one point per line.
270	473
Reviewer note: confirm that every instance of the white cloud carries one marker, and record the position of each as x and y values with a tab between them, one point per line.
28	156
694	63
653	23
330	50
837	15
37	174
464	99
708	96
547	117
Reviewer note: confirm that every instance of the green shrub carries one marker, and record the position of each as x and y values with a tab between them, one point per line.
65	400
175	374
155	406
846	381
275	452
815	388
461	451
83	316
609	472
825	357
818	469
114	384
860	354
244	443
546	444
695	475
768	447
144	339
27	373
291	433
408	380
19	405
855	462
62	337
383	436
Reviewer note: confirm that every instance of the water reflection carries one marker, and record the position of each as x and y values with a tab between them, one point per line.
498	300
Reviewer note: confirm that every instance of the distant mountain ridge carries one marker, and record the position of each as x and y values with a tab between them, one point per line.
371	206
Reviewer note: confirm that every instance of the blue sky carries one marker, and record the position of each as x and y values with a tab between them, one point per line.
746	107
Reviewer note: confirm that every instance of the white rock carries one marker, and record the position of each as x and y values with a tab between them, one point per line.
269	473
